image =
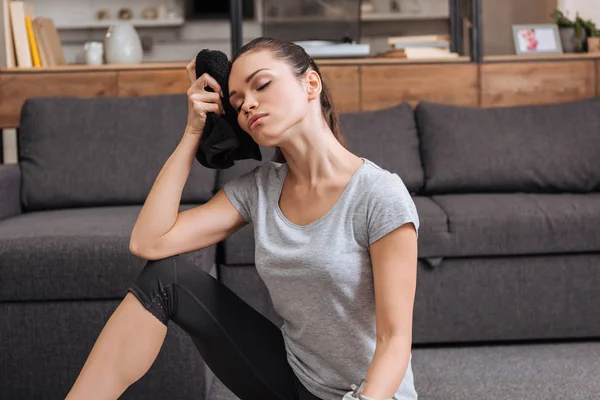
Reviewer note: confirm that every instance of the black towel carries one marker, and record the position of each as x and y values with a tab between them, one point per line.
223	141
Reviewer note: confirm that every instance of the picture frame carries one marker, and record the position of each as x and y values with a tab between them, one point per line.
537	39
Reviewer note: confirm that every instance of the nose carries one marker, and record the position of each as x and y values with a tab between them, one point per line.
250	103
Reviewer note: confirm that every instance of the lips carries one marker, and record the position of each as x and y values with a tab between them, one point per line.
255	118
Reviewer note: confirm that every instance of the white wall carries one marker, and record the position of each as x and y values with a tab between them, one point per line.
588	9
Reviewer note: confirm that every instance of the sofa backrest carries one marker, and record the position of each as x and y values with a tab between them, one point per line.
101	151
389	138
534	148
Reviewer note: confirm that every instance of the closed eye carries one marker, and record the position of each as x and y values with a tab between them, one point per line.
264	86
238	109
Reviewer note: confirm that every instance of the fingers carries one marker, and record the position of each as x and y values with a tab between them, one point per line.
191	71
205	97
208	107
206	80
206	100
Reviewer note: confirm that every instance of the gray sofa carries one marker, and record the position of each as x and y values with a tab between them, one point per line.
508	292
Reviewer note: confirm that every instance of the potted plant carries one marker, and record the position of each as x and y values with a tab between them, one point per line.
593	36
572	32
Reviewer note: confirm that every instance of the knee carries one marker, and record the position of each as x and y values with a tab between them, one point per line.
161	271
154	287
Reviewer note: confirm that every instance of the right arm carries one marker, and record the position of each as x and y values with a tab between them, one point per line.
161	230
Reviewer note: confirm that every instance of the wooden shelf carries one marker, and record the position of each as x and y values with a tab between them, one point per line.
100	24
356	83
392	60
91	68
181	65
366	17
308	18
540	57
391	16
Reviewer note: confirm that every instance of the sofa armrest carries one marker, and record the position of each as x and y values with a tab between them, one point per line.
10	191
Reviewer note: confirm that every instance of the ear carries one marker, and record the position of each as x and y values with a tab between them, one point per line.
313	85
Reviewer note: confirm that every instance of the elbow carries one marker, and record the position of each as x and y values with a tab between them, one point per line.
135	248
141	250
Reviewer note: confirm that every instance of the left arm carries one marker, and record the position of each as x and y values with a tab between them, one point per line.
394	260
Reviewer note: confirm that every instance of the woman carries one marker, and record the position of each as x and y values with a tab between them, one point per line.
334	232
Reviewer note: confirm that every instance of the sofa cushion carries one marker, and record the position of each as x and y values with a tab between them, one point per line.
73	254
534	148
524	223
389	138
102	151
433	233
492	299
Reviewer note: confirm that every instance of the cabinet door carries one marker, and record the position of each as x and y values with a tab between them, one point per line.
384	86
521	82
343	85
152	82
19	86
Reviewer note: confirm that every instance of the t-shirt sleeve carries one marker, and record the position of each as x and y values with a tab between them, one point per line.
390	206
243	192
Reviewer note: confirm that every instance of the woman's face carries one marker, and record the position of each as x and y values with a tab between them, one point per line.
267	95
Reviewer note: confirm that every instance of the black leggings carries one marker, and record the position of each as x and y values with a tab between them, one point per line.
244	349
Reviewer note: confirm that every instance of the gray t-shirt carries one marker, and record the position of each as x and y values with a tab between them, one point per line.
320	275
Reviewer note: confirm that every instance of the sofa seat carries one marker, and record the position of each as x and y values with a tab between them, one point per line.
518	224
78	253
239	247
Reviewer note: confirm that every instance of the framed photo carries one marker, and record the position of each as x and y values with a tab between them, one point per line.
537	39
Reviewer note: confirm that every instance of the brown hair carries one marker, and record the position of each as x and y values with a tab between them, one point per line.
300	62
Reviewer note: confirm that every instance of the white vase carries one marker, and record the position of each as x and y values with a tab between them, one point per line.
122	44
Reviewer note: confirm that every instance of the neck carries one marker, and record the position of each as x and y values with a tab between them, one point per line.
315	155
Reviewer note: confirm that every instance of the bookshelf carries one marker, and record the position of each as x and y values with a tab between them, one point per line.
104	24
82	14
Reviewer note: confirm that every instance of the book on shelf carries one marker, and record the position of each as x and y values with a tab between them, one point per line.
418	38
50	48
27	40
441	41
417	53
417	47
7	50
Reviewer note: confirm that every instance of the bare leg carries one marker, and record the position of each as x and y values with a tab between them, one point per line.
123	353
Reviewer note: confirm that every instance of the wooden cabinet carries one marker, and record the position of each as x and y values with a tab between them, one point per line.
343	85
520	83
16	87
384	86
151	82
355	84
